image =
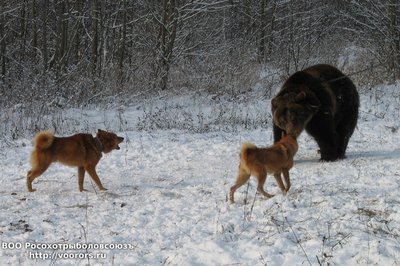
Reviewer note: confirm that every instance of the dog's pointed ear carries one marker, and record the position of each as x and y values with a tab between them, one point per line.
100	131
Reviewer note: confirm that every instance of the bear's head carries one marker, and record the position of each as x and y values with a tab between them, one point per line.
293	110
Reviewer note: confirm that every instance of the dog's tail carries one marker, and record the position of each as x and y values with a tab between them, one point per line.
43	140
244	152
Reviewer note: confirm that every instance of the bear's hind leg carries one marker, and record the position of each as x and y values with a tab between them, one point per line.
344	131
327	139
328	149
345	128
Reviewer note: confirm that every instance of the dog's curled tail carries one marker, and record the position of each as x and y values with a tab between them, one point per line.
43	140
244	152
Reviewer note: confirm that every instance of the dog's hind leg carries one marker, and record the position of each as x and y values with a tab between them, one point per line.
33	173
287	179
92	172
241	179
81	177
261	181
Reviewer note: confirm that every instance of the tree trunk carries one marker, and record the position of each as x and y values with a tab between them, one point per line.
272	28
62	37
22	33
2	42
34	26
263	19
394	32
95	35
122	43
168	28
77	33
45	6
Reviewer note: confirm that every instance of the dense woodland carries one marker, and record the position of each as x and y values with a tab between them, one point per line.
83	50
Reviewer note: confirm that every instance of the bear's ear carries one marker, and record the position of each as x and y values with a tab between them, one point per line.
273	103
301	96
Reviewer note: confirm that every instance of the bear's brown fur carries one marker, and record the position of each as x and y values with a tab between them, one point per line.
323	101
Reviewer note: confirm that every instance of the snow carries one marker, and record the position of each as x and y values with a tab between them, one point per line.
167	199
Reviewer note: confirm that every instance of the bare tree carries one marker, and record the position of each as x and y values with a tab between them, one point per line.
106	45
377	27
44	8
61	46
123	38
394	37
267	18
168	23
94	20
3	40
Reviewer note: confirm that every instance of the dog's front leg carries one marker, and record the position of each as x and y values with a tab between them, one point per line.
92	172
81	178
278	179
287	179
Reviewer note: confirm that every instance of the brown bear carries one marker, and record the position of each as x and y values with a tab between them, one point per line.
323	101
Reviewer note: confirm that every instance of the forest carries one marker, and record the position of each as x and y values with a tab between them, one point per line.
86	51
186	83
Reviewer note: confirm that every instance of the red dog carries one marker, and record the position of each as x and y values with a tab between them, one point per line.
81	150
261	161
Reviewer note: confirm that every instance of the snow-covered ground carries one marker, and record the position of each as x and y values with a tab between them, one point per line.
168	189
